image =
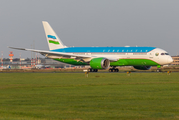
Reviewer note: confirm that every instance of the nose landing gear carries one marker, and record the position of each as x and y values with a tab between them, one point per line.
114	69
158	68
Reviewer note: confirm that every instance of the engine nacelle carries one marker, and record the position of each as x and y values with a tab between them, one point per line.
142	67
99	63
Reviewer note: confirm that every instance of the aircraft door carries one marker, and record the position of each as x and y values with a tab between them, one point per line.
151	55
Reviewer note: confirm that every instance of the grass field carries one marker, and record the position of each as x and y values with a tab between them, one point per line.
71	96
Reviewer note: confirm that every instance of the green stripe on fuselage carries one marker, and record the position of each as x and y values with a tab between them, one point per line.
121	62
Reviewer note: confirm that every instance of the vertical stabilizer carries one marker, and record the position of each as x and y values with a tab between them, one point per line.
52	39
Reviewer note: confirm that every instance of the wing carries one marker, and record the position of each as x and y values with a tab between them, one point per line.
52	55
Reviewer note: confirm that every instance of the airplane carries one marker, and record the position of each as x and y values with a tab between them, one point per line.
141	58
39	66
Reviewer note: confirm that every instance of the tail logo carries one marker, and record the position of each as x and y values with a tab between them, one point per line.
52	39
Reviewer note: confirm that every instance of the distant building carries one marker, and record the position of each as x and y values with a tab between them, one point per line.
175	60
21	63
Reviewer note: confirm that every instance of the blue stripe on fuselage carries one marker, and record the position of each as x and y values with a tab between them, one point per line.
104	49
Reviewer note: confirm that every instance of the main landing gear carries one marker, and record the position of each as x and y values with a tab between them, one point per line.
92	70
114	69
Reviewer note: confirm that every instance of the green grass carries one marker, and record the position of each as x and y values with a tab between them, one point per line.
71	96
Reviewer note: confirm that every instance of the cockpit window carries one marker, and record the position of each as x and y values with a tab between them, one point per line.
164	54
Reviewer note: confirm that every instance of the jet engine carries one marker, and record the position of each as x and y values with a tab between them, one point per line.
142	67
99	63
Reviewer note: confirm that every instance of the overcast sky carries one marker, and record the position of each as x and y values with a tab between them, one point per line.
81	23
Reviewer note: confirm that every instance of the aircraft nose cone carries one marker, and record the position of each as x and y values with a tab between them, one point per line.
170	60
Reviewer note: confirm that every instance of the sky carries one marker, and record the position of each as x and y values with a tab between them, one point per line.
85	23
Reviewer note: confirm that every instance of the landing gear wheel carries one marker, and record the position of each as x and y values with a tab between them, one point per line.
90	70
93	70
114	69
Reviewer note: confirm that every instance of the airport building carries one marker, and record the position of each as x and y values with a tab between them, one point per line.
175	60
20	63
